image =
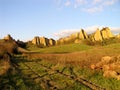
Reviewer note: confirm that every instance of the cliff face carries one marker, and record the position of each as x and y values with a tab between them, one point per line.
74	38
83	34
98	35
42	41
106	33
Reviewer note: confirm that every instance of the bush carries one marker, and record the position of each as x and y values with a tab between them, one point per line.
21	44
8	47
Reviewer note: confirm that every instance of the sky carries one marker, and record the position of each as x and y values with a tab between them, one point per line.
25	19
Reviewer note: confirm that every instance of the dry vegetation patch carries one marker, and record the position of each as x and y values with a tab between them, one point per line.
4	64
109	65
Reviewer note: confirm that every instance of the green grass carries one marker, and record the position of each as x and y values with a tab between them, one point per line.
61	48
115	46
25	79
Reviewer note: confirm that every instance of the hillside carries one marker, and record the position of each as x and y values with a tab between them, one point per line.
98	36
89	62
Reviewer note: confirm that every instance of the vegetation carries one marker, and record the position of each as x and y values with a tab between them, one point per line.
63	67
39	74
105	42
61	48
8	47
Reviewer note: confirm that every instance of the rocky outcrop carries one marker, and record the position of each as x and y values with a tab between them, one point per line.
52	42
79	37
106	33
73	38
43	42
109	65
83	34
97	36
8	37
118	36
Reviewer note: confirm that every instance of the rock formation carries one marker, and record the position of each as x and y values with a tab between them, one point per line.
109	65
52	42
118	36
79	37
74	38
83	34
96	36
8	37
43	42
106	33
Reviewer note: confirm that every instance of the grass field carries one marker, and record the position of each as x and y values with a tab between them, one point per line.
61	48
64	67
41	74
69	48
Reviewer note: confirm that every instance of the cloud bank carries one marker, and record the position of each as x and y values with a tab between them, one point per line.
89	30
89	6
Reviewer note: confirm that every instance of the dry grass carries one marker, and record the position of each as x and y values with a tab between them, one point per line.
82	58
7	46
4	66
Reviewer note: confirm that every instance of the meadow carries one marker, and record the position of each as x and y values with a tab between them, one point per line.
64	67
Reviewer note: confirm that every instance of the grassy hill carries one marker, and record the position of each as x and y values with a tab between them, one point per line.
64	67
61	48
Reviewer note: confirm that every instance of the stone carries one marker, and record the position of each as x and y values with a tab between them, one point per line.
97	35
110	73
117	36
52	42
77	41
43	41
8	37
74	35
106	33
36	40
83	34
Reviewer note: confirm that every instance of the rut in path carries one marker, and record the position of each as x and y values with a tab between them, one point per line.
78	79
73	77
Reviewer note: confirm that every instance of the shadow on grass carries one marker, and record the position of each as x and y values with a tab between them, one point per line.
15	79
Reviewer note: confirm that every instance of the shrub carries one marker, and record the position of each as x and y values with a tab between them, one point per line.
8	47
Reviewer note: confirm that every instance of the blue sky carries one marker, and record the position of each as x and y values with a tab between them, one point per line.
24	19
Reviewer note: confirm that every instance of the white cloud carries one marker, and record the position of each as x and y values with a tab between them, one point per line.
89	30
99	5
109	2
93	9
66	32
67	3
89	6
92	29
97	1
79	3
115	29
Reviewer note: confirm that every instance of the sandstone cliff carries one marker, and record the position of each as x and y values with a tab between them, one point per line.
106	33
43	41
73	38
97	36
118	36
83	34
79	37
